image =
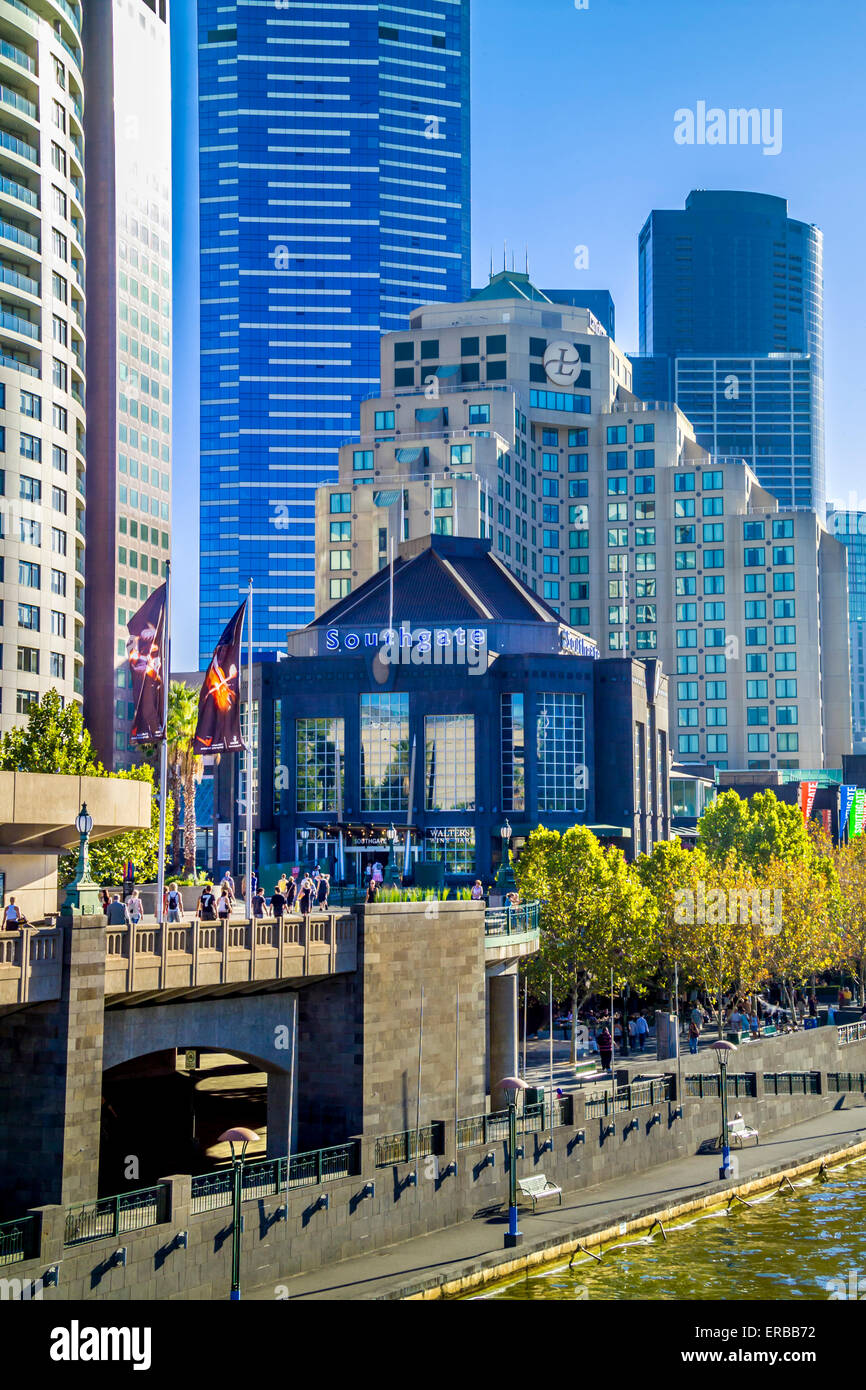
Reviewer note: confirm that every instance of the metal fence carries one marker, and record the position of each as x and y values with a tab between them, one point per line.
408	1145
115	1216
19	1239
846	1081
852	1032
265	1177
533	1119
792	1083
511	921
629	1097
705	1085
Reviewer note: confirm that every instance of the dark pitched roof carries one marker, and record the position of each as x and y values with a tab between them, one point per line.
440	579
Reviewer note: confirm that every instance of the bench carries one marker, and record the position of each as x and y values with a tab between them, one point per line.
537	1187
738	1130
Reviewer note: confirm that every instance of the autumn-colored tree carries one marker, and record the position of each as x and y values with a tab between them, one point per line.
804	937
596	916
670	872
850	946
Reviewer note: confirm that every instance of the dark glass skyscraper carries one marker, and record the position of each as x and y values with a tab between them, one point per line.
732	329
334	162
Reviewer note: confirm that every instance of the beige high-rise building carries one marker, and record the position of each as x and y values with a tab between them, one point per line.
42	333
512	418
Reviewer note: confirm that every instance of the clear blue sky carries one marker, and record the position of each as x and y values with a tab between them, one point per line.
572	144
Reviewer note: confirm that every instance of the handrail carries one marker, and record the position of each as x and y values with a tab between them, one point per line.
511	921
852	1032
114	1216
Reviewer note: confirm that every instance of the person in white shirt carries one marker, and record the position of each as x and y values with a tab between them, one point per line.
11	915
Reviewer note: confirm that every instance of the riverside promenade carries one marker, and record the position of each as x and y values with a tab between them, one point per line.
420	1267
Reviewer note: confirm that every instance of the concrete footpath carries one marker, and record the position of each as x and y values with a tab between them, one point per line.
421	1265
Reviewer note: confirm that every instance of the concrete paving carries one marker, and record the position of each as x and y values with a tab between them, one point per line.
444	1255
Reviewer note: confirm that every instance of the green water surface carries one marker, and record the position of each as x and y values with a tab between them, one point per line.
809	1244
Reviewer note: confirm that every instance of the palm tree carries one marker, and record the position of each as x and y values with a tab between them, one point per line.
185	764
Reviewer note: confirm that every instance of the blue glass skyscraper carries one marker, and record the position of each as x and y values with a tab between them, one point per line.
732	329
334	163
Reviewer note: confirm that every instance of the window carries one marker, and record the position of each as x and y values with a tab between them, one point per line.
684	482
470	347
443	526
460	454
644	458
341	559
687	612
319	749
784	608
560	751
717	690
550	487
786	714
29	489
617	535
58	582
758	743
717	743
788	743
755	583
684	535
341	502
644	434
786	690
685	585
753	530
617	487
28	660
58	623
617	511
687	665
24	699
384	752
383	420
783	583
714	637
404	376
617	434
712	482
479	414
784	636
578	463
29	575
717	716
785	661
684	559
687	690
687	717
58	540
362	460
550	463
714	559
404	352
713	506
687	743
443	497
59	499
756	608
715	665
714	612
450	762
687	637
783	529
756	636
550	589
644	511
28	616
757	714
715	584
58	665
339	588
617	459
31	405
713	530
429	349
684	506
756	661
783	555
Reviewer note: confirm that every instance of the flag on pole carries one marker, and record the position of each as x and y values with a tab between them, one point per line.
855	816
807	798
846	798
219	705
145	652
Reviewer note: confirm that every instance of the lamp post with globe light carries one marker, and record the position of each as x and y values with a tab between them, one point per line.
512	1086
82	893
505	876
242	1137
723	1050
392	870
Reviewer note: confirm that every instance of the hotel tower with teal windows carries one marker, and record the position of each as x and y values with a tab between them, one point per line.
334	168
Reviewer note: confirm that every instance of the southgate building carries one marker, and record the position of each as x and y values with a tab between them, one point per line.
732	329
512	419
42	356
334	173
442	700
128	122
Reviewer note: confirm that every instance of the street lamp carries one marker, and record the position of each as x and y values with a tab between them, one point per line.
82	894
242	1137
723	1050
512	1086
392	873
505	876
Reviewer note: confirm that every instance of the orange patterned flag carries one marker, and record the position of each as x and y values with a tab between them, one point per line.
219	705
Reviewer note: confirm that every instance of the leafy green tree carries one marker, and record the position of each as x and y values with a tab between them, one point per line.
757	830
185	765
54	739
596	916
108	856
850	946
669	872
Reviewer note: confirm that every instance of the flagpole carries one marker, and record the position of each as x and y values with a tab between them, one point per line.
163	747
249	789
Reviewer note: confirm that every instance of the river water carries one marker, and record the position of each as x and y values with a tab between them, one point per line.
809	1244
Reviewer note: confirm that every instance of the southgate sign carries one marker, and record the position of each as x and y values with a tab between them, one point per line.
573	643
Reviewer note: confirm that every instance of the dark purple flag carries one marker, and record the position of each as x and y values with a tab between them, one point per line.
145	650
219	704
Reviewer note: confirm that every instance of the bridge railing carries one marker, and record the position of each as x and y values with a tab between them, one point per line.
265	1177
511	921
116	1216
33	958
852	1032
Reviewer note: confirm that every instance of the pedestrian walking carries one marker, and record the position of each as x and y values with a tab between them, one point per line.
106	901
258	903
288	892
135	908
206	909
174	903
278	903
117	914
224	905
228	883
322	890
605	1048
694	1034
305	895
372	891
642	1028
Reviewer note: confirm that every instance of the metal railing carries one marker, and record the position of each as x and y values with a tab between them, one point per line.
511	921
19	1239
846	1081
792	1083
703	1085
852	1032
115	1216
17	55
265	1177
10	97
408	1145
17	365
636	407
12	232
19	191
533	1119
18	281
630	1097
16	324
19	147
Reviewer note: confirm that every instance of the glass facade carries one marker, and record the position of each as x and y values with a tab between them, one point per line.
513	753
453	845
849	527
560	734
384	753
334	168
450	762
319	753
731	325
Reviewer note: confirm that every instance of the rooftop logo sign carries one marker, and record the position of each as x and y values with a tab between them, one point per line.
420	646
573	643
562	363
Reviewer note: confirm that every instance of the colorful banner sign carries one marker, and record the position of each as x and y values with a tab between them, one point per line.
827	819
858	809
807	798
219	705
145	654
846	798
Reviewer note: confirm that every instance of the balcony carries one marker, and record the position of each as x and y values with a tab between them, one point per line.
20	147
10	97
18	365
19	191
17	281
12	232
511	932
14	323
16	55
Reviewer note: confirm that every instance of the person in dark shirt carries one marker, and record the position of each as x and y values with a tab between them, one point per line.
258	903
291	894
206	910
323	887
278	903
